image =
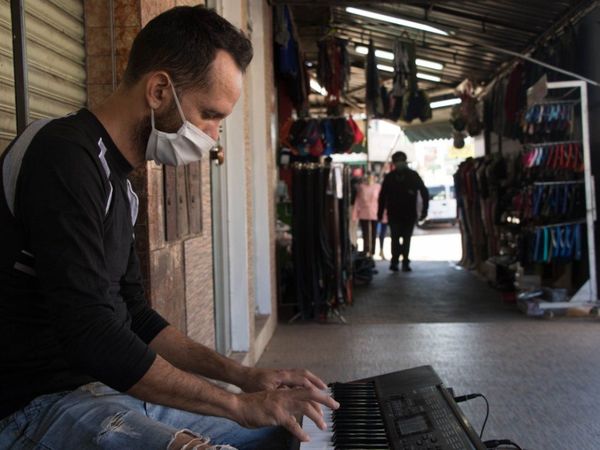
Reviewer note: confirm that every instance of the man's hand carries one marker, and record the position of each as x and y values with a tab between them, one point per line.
269	379
282	407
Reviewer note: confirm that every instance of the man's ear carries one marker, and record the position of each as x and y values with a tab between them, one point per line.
157	89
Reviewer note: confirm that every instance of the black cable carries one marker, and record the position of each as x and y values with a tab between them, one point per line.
495	443
464	398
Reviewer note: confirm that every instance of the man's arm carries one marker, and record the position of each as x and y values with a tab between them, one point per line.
190	356
61	202
145	321
165	384
424	196
382	200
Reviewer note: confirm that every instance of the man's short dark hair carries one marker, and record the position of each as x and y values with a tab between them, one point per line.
183	41
399	156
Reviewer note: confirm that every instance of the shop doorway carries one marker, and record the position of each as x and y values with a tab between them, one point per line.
436	160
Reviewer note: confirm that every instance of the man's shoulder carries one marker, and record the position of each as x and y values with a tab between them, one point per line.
73	129
414	174
66	139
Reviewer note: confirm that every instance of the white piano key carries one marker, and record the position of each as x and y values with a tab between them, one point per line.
319	439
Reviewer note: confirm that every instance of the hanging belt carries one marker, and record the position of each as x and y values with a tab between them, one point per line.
577	239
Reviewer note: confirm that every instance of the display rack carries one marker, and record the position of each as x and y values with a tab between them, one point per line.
587	295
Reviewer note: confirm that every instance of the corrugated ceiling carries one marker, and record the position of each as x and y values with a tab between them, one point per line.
509	24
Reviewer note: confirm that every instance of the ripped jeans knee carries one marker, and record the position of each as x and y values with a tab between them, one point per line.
187	440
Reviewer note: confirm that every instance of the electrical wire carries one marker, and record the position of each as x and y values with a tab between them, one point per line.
495	443
464	398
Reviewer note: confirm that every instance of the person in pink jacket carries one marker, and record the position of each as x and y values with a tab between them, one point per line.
365	208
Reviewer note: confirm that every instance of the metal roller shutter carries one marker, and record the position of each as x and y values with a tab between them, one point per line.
55	59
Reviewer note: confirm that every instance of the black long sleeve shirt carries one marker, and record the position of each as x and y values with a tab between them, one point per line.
398	196
72	306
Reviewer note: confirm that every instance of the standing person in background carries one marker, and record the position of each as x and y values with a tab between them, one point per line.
399	197
365	205
382	226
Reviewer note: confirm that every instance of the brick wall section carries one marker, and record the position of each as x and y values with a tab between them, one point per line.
199	273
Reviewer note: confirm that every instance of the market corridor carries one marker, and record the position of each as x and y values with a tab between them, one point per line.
536	374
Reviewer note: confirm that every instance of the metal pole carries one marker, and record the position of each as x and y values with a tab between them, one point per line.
590	198
17	14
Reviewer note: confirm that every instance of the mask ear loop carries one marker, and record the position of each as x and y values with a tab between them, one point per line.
177	102
152	118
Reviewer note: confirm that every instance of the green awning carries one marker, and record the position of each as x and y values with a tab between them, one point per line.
428	131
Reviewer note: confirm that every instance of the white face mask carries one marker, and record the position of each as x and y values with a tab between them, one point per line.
186	146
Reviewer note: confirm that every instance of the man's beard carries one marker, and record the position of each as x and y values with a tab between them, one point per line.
169	122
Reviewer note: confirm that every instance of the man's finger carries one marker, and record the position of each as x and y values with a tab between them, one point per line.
321	397
317	406
320	384
292	425
315	415
302	378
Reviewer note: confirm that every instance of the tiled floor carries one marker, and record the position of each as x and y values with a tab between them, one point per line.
540	376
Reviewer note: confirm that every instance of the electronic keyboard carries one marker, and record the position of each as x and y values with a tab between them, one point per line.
406	410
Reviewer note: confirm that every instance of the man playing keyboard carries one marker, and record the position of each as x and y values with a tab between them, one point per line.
85	363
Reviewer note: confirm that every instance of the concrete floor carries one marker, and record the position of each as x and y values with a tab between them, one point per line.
541	377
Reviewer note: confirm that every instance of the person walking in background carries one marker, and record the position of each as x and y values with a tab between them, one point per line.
398	197
365	205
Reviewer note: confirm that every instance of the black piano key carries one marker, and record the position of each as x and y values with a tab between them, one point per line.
358	423
339	442
358	437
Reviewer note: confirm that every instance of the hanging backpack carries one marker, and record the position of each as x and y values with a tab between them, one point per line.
359	136
344	135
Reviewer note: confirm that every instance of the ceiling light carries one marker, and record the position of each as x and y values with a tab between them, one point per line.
422	76
385	68
429	64
425	76
315	86
383	54
395	20
379	53
444	103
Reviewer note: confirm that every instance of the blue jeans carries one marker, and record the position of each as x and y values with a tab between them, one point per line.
95	416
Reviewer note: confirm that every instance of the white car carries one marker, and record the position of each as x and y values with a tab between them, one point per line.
442	205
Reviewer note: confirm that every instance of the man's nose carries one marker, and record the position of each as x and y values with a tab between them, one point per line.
214	131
